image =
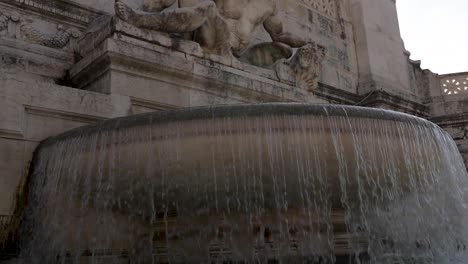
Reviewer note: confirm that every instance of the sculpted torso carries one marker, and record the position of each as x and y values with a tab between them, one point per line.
243	18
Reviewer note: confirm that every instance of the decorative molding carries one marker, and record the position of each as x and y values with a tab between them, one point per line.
39	30
451	120
72	11
47	112
11	134
336	95
151	104
386	100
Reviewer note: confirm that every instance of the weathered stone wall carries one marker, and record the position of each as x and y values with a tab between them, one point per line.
449	108
32	112
327	23
36	49
37	38
379	47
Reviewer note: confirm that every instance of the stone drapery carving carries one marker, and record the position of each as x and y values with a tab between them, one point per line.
307	64
227	27
57	40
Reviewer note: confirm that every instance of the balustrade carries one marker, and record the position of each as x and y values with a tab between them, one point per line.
454	84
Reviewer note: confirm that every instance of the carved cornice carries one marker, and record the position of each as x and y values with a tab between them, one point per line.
382	99
71	11
65	115
10	134
151	104
451	120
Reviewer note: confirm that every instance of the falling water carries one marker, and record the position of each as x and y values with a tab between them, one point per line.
249	184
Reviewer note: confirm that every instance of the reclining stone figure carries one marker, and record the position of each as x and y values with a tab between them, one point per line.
220	26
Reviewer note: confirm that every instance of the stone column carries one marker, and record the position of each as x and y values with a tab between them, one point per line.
379	47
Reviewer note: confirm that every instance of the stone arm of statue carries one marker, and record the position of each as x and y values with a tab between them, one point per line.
274	27
179	20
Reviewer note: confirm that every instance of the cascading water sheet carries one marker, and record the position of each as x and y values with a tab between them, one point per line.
288	183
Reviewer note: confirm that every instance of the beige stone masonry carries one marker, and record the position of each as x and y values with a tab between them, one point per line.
32	112
119	58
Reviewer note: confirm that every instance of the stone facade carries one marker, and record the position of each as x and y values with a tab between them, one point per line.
68	63
448	107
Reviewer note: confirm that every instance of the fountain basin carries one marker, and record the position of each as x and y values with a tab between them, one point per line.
237	183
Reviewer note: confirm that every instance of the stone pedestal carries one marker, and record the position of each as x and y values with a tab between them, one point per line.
159	71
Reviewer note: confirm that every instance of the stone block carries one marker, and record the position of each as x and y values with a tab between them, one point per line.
31	112
379	47
147	65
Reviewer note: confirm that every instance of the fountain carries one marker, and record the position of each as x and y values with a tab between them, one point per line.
272	183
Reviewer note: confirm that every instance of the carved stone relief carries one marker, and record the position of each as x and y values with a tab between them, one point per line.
25	29
57	40
307	64
53	24
305	67
7	22
327	7
78	14
8	62
326	26
206	23
4	19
